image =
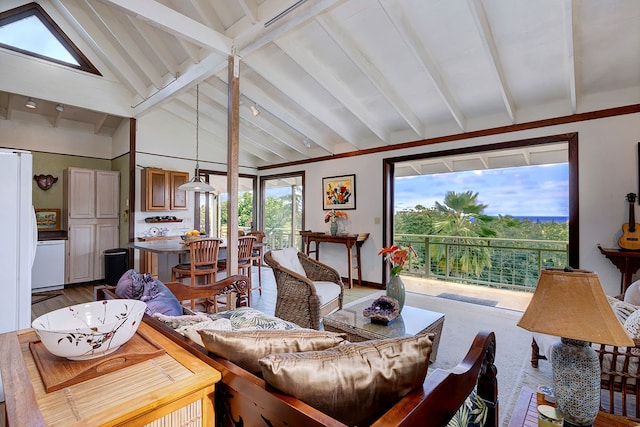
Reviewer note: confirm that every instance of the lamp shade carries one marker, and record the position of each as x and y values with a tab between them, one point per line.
197	184
572	304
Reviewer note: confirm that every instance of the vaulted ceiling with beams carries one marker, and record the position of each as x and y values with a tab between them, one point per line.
336	76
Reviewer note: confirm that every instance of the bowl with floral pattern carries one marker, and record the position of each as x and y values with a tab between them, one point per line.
91	330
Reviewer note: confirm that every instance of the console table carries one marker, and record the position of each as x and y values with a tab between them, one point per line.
628	262
349	240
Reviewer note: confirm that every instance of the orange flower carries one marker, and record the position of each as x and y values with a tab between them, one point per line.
396	257
334	215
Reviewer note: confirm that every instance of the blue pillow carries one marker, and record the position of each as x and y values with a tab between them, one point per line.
143	287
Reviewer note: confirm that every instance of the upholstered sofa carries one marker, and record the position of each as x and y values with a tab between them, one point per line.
244	398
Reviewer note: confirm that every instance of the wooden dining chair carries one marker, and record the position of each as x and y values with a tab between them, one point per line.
203	261
257	255
245	260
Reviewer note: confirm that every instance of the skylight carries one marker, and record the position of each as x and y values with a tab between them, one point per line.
31	35
30	30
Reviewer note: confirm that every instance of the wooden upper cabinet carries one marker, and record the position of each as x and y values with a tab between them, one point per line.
160	188
156	190
178	197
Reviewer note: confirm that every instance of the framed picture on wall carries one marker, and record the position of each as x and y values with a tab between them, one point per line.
339	192
48	219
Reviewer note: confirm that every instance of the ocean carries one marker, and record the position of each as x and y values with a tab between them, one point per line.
534	218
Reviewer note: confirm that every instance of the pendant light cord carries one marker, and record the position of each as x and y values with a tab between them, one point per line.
197	131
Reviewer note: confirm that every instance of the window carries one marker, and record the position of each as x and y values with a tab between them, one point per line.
30	30
555	153
211	212
282	199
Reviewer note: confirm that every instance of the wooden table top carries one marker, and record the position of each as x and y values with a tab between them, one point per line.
525	413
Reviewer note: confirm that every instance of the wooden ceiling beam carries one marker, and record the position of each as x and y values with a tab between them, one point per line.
100	43
130	49
338	88
174	23
567	15
372	72
412	41
489	45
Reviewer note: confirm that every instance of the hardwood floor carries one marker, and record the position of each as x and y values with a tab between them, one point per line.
44	302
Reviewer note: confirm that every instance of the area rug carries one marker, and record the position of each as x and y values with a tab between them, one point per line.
465	298
36	298
462	322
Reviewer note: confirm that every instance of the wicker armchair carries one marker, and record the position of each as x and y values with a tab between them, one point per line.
305	300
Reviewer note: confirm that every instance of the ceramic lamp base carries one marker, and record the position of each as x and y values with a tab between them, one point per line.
576	381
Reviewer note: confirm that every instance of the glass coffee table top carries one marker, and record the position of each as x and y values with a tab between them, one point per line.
412	321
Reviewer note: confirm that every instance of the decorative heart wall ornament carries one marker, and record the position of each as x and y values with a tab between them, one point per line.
45	181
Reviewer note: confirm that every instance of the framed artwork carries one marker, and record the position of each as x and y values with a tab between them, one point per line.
48	219
339	192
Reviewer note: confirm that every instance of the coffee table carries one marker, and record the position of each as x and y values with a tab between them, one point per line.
412	321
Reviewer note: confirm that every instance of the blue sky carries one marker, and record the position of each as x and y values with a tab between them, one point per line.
522	191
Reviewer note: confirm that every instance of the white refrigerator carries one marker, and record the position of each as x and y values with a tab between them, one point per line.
18	238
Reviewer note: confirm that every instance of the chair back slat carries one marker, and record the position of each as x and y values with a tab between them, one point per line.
204	252
245	248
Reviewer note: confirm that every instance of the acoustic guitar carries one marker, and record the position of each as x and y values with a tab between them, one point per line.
630	238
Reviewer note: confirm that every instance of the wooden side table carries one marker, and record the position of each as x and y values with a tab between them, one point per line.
525	413
628	262
175	388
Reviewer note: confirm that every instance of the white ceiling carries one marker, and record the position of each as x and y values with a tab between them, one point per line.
346	74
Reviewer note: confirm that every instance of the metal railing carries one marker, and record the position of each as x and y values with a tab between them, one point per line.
496	262
504	263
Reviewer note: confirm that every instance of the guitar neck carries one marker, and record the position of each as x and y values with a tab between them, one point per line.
632	217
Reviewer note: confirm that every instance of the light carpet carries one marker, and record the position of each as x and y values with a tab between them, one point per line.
462	322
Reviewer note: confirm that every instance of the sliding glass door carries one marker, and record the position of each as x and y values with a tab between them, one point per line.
282	202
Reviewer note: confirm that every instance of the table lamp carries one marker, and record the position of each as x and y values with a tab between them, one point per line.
572	305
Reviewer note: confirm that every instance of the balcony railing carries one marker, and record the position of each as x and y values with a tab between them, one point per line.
496	262
506	263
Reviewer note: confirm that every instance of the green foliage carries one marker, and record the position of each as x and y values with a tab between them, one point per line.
418	220
467	256
245	210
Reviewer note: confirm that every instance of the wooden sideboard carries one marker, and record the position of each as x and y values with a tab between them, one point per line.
175	388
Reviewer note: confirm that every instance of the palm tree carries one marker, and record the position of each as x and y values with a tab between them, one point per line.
461	216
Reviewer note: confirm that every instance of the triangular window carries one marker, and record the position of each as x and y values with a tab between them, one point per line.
30	30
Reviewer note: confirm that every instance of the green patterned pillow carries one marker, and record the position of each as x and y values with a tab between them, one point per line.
472	413
250	318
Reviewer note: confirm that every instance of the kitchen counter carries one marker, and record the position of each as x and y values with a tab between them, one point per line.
52	235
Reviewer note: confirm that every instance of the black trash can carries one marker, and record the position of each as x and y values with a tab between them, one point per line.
116	263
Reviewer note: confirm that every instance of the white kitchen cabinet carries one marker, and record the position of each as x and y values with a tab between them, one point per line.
92	206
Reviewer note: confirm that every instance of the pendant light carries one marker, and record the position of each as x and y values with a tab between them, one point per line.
197	183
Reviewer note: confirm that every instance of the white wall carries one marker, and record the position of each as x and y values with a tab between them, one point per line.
608	170
33	132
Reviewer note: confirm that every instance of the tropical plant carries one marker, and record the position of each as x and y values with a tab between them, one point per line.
462	217
333	216
396	257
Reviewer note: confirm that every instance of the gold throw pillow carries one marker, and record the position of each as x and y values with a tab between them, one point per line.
351	382
244	348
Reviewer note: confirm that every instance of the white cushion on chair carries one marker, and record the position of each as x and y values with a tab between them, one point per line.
545	343
327	291
288	258
632	294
